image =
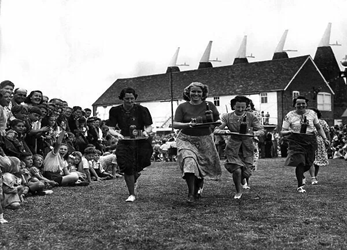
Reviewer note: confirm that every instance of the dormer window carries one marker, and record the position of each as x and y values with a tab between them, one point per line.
216	101
263	97
295	94
324	101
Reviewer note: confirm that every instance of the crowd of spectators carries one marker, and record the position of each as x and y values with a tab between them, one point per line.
36	131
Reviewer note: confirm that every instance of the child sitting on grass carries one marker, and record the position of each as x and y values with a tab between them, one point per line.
74	161
14	188
36	173
87	166
2	220
55	165
99	167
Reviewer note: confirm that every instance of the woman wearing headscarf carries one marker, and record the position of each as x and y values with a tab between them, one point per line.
197	155
299	128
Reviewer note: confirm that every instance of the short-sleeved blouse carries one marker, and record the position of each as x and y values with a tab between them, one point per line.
121	118
186	111
293	120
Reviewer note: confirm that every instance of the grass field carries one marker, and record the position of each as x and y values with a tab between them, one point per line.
269	216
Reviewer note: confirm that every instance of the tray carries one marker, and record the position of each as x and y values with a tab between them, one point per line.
127	138
227	132
205	124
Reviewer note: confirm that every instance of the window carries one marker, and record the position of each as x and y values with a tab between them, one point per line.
295	94
324	101
216	101
263	97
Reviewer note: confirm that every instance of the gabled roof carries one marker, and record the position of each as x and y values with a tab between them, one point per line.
246	79
344	114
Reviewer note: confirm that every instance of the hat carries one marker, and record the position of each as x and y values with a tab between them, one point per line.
92	119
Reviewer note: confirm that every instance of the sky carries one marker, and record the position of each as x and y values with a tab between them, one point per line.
76	49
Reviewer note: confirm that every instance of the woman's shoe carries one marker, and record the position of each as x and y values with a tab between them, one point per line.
190	198
314	181
301	189
237	196
131	198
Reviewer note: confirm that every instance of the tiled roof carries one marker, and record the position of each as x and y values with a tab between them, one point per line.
248	78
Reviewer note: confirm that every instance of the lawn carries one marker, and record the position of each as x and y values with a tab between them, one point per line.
271	215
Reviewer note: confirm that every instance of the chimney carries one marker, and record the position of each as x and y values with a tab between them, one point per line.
205	59
327	64
241	54
173	63
279	52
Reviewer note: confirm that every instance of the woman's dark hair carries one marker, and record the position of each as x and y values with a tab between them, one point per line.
319	114
186	91
239	98
299	97
251	104
127	90
27	99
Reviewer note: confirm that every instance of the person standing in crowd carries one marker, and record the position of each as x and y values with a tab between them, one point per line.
299	127
132	155
197	155
267	118
5	99
321	155
256	113
34	98
7	86
19	96
45	99
240	149
87	112
74	117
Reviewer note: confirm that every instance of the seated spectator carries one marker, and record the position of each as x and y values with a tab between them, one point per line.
55	164
2	219
108	162
74	160
164	149
110	143
35	165
98	167
13	143
38	162
86	166
172	151
33	178
13	191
